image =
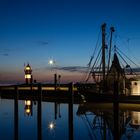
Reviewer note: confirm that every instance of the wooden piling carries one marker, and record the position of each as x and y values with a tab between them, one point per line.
55	81
16	113
116	111
70	108
39	112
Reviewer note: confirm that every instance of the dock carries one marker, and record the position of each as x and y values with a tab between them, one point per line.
47	92
63	92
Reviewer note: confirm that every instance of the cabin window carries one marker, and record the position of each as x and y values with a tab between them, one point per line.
135	83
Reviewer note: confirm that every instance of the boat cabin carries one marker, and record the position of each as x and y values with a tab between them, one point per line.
115	77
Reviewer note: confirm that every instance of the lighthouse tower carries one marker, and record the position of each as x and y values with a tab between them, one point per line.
28	74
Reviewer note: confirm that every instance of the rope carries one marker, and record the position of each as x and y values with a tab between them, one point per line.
128	58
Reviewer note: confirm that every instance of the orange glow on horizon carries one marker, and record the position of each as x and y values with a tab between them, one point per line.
45	76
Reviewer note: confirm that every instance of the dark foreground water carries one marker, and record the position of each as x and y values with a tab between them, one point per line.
47	120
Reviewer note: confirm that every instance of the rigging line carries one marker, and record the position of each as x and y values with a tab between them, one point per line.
97	66
130	48
98	76
107	39
91	59
121	57
115	37
124	40
110	46
89	64
88	129
110	131
96	60
94	49
128	58
93	65
84	75
126	62
90	125
136	59
97	43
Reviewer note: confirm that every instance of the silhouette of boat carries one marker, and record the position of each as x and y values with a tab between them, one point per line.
107	77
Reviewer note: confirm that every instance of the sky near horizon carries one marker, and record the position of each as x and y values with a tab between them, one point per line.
34	31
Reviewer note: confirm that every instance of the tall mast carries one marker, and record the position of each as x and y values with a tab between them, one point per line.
103	49
111	30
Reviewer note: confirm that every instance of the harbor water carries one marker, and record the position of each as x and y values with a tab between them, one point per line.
67	120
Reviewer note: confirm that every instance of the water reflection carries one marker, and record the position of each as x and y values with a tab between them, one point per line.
28	108
57	110
98	121
132	126
103	122
51	125
40	120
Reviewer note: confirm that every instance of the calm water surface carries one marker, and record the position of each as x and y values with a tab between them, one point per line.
27	119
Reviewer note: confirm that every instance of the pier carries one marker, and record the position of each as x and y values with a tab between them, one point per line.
62	92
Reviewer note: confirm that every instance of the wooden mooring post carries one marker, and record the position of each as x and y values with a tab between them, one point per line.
16	113
55	81
70	110
39	112
116	111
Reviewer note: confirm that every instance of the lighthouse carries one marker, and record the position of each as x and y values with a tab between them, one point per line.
28	74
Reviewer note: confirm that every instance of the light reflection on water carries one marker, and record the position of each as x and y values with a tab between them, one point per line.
28	119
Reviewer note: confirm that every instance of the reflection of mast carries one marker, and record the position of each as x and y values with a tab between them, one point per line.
16	113
98	123
116	119
59	114
89	127
39	113
57	110
70	109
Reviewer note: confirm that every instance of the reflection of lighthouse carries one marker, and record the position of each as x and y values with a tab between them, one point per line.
28	74
28	107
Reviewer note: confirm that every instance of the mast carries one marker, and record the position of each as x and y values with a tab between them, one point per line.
111	30
103	51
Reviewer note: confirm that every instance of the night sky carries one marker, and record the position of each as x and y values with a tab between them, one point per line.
64	30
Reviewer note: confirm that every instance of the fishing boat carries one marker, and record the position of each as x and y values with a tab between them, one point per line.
108	77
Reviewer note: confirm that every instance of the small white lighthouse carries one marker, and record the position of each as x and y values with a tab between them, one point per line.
28	74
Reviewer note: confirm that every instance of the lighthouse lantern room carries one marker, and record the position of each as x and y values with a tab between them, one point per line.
28	74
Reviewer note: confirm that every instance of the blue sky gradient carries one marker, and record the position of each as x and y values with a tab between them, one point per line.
65	30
